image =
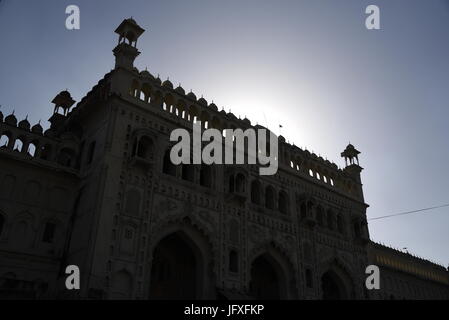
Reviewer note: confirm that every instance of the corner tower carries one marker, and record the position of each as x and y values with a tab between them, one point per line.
126	51
353	169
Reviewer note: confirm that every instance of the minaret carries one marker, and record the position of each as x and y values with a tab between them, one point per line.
126	52
353	169
62	101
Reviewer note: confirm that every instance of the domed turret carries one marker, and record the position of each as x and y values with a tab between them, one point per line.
37	128
24	124
63	101
167	84
202	101
191	95
146	74
213	106
11	120
351	155
180	90
126	51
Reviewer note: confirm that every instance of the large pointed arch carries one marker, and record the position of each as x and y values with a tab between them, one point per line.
271	274
336	282
181	264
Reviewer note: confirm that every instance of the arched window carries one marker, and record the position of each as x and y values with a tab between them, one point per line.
134	89
206	176
168	167
32	149
233	261
240	183
256	191
269	198
18	145
4	140
283	202
144	148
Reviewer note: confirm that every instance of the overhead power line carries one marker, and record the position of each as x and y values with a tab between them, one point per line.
408	212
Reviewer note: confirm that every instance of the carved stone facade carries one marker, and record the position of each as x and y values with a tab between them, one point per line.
98	191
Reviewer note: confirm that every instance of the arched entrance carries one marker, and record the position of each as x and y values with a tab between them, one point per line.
266	279
332	287
176	271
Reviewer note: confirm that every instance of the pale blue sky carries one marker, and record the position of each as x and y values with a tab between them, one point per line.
310	65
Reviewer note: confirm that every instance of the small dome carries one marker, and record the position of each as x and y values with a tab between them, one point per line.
202	101
213	106
230	114
191	95
65	94
11	120
146	74
37	128
180	90
49	133
246	121
24	124
158	80
167	84
131	20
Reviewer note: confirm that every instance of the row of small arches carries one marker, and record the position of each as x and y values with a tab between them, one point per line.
191	113
34	148
20	232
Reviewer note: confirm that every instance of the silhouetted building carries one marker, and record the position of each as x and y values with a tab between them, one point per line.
98	190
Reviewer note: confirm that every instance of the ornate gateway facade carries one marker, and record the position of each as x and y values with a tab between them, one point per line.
98	190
